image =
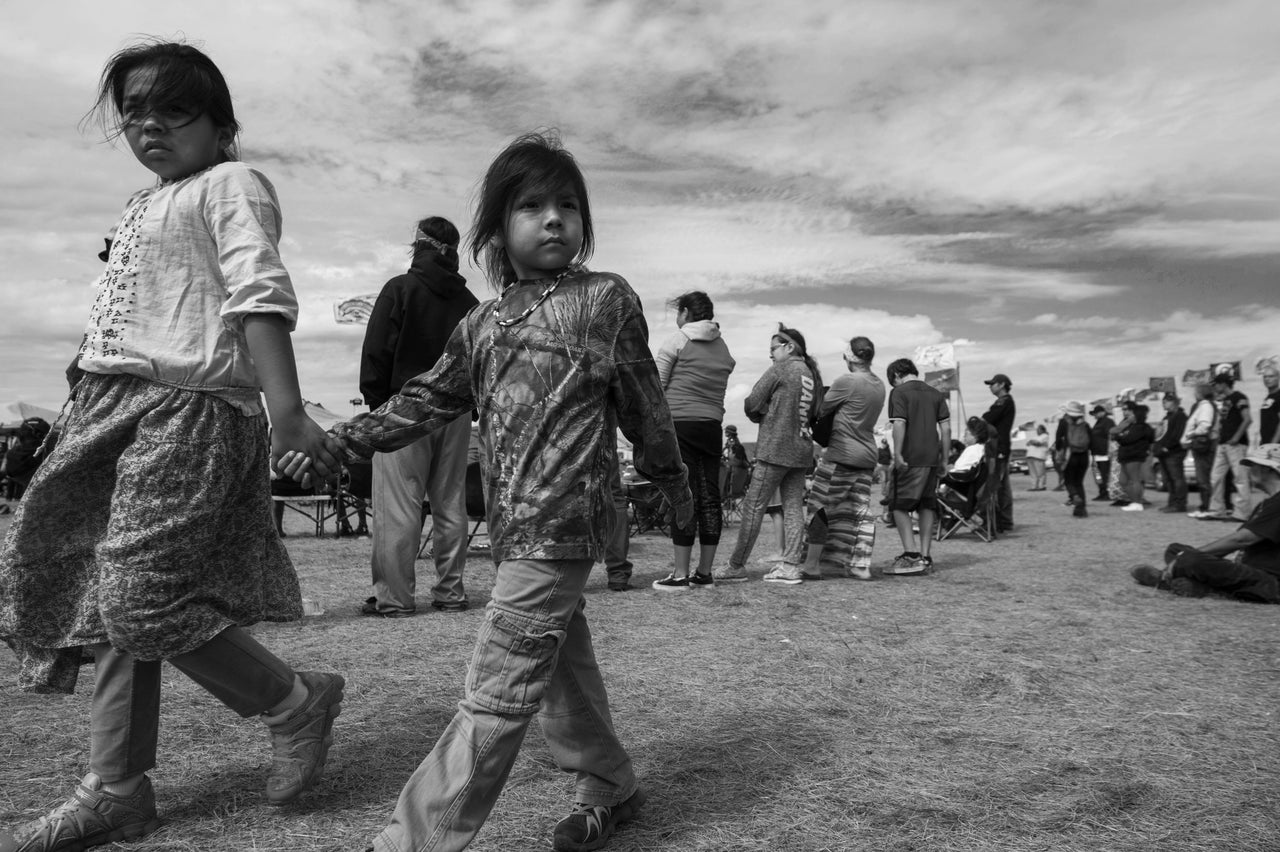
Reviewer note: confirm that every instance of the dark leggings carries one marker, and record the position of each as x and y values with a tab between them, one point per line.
1073	476
708	517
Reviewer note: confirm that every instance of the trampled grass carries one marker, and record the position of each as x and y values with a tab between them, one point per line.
1026	696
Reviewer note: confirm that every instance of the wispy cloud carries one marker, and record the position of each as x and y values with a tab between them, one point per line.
1052	182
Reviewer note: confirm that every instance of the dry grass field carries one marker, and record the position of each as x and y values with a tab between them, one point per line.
1026	696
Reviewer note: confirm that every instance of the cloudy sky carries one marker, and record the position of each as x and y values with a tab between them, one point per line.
1082	195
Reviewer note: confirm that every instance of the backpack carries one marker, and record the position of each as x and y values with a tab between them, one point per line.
1077	435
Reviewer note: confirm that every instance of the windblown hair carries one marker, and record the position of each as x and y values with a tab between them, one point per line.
184	76
697	303
534	163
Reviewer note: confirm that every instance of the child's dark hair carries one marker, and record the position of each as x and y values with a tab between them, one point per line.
795	337
439	229
534	163
697	303
901	367
184	76
979	429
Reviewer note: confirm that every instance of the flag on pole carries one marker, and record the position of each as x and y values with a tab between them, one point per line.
355	310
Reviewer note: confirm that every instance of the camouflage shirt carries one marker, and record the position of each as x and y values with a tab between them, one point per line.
551	390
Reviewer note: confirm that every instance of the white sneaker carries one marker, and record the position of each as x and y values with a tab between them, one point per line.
784	573
1132	507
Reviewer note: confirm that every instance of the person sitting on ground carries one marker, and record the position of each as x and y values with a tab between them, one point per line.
1253	574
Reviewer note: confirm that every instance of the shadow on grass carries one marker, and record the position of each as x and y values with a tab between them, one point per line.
369	762
728	768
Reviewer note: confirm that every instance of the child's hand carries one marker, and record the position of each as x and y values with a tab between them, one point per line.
296	466
304	436
336	444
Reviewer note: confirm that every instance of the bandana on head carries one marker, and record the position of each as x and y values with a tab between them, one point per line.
420	237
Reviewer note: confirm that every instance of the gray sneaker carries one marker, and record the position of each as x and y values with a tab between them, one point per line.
300	744
91	817
729	574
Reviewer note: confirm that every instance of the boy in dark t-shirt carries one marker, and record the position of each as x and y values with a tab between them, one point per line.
921	425
1234	418
1254	574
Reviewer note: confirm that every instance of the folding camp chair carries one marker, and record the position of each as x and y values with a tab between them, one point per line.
966	503
646	507
354	496
476	514
316	507
733	487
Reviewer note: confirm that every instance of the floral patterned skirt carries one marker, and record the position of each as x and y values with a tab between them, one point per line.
148	527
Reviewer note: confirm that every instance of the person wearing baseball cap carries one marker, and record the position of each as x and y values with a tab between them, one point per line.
1235	417
1001	417
1244	564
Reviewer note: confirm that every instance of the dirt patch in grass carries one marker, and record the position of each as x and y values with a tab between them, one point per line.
1026	696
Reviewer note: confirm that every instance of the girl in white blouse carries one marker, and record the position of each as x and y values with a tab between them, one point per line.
147	533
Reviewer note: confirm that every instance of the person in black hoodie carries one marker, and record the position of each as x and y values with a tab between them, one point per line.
1135	437
1100	447
411	321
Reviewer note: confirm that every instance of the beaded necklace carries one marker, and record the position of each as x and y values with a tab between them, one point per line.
550	288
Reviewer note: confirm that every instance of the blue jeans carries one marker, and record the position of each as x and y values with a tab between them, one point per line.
533	655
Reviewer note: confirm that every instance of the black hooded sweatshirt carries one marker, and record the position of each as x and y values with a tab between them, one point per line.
411	321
